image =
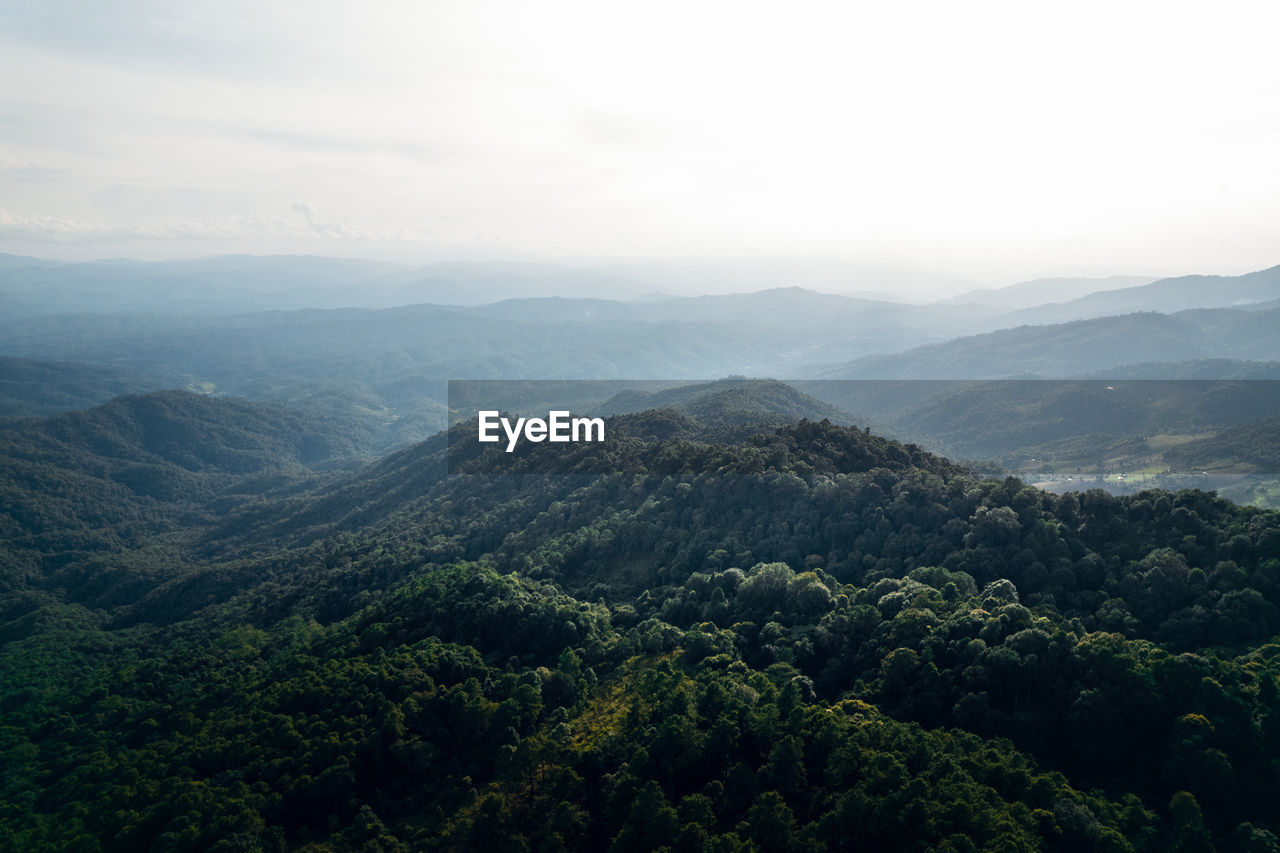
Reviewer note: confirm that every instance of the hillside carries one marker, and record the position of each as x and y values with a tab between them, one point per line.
725	411
1082	347
810	637
729	401
1213	368
1004	418
10	262
112	493
31	388
1123	435
1255	443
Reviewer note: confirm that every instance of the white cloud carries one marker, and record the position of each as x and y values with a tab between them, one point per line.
348	231
51	229
256	227
13	171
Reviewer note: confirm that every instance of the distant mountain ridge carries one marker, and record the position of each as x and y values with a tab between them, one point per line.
393	362
14	262
1083	347
236	284
240	283
388	366
1028	294
1168	296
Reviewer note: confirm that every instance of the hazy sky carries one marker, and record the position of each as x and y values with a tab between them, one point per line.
989	141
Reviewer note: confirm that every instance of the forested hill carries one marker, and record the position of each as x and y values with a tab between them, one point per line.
737	413
31	388
1256	442
134	477
731	401
195	432
810	638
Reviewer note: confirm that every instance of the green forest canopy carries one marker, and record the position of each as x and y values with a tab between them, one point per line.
810	638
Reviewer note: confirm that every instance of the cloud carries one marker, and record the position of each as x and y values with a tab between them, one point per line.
16	171
253	226
626	130
51	229
241	227
348	231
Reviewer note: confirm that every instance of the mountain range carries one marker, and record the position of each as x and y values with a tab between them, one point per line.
1045	291
800	636
1085	347
1169	296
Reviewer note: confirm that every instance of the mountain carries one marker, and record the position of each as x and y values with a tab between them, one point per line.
1083	347
1009	418
710	276
726	410
729	401
234	284
194	432
739	623
776	312
17	262
1210	368
390	365
81	487
30	387
1122	435
486	283
223	284
1168	296
983	418
1255	443
1029	294
699	336
808	637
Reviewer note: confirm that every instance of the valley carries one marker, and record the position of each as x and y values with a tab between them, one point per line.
639	427
293	604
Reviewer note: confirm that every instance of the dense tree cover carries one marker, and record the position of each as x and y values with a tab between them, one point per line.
107	485
810	639
735	400
1078	426
1207	368
1256	443
29	388
389	731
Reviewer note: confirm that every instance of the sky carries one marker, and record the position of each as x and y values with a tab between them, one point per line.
984	142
